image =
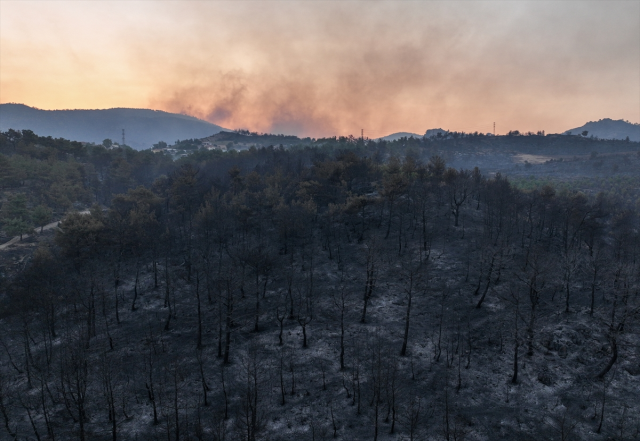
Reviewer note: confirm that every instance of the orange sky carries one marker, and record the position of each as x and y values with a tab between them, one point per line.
326	67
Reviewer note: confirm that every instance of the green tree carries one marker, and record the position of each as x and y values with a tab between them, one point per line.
8	176
436	167
160	145
107	143
17	227
41	216
16	208
79	234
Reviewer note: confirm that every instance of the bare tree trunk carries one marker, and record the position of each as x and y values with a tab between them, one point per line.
488	282
282	388
370	282
438	346
135	287
256	327
612	361
333	421
228	323
115	292
342	335
224	393
151	391
604	398
5	414
175	403
593	288
281	325
205	387
403	351
199	307
516	346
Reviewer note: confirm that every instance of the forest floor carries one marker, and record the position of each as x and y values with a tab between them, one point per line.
457	371
455	381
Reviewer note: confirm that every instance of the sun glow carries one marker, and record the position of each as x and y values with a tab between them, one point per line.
327	68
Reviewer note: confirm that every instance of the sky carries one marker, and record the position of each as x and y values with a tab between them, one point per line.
325	68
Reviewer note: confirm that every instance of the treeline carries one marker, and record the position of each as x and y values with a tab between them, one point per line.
622	190
358	292
45	175
530	143
57	175
40	175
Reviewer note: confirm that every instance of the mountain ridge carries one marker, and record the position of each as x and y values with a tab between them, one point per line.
143	127
397	135
608	128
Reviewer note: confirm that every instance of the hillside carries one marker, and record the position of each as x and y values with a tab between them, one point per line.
434	132
244	139
143	127
346	290
398	135
609	129
299	294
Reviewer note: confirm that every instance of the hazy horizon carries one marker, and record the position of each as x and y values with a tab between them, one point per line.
325	68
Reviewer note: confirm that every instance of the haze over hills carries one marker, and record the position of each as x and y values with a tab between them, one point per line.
143	127
608	128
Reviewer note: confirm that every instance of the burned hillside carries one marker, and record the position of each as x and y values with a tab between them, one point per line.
328	294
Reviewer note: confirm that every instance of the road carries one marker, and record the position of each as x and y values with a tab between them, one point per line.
24	236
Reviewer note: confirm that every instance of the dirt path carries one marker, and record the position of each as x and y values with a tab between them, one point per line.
24	236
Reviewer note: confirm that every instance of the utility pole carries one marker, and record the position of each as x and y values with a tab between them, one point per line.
494	129
123	137
362	134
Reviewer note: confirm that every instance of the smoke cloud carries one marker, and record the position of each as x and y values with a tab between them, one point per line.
327	68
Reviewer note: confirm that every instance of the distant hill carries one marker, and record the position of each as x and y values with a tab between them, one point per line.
609	129
246	139
143	127
434	132
398	135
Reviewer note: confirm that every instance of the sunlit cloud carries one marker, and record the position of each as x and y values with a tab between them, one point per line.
325	68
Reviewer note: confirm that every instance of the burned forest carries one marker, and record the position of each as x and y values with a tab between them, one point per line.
349	289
